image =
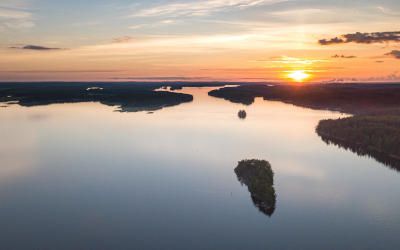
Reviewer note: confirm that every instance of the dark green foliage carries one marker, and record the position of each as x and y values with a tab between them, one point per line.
240	94
349	98
258	176
377	136
129	97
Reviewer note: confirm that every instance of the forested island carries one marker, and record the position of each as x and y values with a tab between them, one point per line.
128	97
376	136
346	98
258	176
373	130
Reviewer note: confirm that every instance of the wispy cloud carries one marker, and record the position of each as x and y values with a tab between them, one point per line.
198	8
15	18
343	56
123	39
154	24
14	14
387	11
367	38
34	47
394	53
180	43
58	71
294	60
391	77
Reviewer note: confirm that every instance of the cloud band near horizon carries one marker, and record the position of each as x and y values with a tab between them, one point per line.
365	38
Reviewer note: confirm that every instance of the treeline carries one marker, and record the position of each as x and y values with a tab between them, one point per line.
377	136
348	98
128	97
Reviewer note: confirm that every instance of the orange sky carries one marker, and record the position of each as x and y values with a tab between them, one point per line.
237	40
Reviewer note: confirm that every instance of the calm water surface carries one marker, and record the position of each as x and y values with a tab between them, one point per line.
80	176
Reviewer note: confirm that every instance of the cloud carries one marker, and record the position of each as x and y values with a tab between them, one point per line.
168	21
392	77
198	8
335	40
11	18
137	26
366	38
343	56
58	71
153	25
123	39
394	53
35	47
294	60
13	14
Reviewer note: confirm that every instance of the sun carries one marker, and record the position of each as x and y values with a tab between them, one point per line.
298	75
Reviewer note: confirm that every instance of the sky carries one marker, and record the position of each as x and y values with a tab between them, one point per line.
209	40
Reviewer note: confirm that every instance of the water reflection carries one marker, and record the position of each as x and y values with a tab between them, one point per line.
258	176
355	147
376	136
163	181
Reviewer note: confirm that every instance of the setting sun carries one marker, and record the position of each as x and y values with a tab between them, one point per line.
298	75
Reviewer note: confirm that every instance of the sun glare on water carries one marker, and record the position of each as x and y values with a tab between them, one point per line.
298	75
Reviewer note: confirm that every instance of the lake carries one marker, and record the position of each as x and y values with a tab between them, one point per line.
81	176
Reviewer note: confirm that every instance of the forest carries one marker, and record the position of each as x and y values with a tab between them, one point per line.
376	136
346	98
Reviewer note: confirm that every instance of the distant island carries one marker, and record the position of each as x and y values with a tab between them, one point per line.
258	176
346	98
373	130
128	97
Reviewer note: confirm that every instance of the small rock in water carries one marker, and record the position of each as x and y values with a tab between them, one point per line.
242	114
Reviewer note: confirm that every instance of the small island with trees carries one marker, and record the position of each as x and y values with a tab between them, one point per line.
258	176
